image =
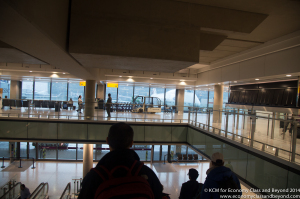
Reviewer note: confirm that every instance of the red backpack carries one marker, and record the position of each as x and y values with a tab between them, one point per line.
130	186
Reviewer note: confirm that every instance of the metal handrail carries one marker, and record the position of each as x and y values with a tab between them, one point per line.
39	191
12	189
35	192
68	187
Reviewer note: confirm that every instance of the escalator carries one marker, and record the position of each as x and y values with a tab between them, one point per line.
13	192
67	192
41	192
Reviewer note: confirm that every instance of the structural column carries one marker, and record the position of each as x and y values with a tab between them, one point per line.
100	91
180	101
89	99
87	158
15	89
218	103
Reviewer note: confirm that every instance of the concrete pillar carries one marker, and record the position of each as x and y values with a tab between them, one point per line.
218	103
15	89
180	101
87	158
89	99
100	91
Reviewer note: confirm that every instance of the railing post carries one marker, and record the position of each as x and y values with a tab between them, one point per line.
273	125
268	128
237	119
242	140
196	116
294	142
244	119
189	115
226	125
263	148
276	152
208	121
213	130
20	163
33	164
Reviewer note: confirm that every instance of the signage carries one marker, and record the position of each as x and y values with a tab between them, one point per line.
82	83
112	85
1	90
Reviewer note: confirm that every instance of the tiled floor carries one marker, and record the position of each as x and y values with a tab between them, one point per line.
58	174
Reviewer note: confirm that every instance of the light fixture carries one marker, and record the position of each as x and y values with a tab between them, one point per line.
30	71
54	72
64	73
206	85
288	75
151	78
56	82
219	83
182	80
256	79
235	81
120	76
27	79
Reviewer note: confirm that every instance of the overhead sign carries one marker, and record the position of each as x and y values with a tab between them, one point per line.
112	85
1	90
82	83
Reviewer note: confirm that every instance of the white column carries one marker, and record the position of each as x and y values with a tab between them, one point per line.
100	91
218	103
14	89
87	158
180	101
90	102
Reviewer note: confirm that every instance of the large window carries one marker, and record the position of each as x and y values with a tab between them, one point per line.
59	91
201	98
225	96
125	93
159	93
188	99
27	89
211	99
141	91
170	97
75	90
5	84
113	92
41	90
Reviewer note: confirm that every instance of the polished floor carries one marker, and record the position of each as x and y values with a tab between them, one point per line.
237	124
58	174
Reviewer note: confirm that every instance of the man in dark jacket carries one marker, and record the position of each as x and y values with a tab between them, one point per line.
120	139
108	104
217	174
190	188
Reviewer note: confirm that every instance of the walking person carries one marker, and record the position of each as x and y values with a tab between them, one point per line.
25	193
79	104
108	104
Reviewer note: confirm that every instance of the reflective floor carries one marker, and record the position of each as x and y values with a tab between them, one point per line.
58	174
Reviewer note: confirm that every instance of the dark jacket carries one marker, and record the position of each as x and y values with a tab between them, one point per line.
124	157
108	102
218	174
189	189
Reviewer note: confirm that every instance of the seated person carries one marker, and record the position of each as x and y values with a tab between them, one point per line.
192	187
70	103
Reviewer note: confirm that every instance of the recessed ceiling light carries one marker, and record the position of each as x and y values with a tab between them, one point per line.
256	79
288	75
56	82
235	81
120	76
219	83
64	73
30	71
54	72
27	79
151	78
206	85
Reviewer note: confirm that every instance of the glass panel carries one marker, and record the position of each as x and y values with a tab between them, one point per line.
159	93
170	97
100	150
141	91
125	94
74	91
98	132
188	99
156	152
59	91
5	84
42	130
67	151
164	153
32	150
143	151
202	96
293	183
113	92
13	129
41	90
139	133
47	150
211	99
80	152
179	134
4	149
27	90
72	131
225	96
158	133
23	149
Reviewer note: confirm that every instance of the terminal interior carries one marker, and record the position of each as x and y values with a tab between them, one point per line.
191	78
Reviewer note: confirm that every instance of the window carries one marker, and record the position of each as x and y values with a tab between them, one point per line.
170	97
67	151
59	91
141	91
74	91
27	89
225	96
113	92
4	149
159	93
201	98
125	93
5	84
188	99
41	90
211	99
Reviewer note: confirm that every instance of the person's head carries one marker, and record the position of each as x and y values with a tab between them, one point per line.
22	186
5	96
109	94
193	174
70	99
120	136
217	159
79	96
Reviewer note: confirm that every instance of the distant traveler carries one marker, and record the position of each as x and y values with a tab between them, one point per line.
25	193
191	189
108	104
120	174
220	177
79	104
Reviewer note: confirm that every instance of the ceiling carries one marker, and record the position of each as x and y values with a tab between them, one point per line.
165	36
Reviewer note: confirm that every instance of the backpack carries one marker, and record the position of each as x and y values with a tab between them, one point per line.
225	185
197	196
129	186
